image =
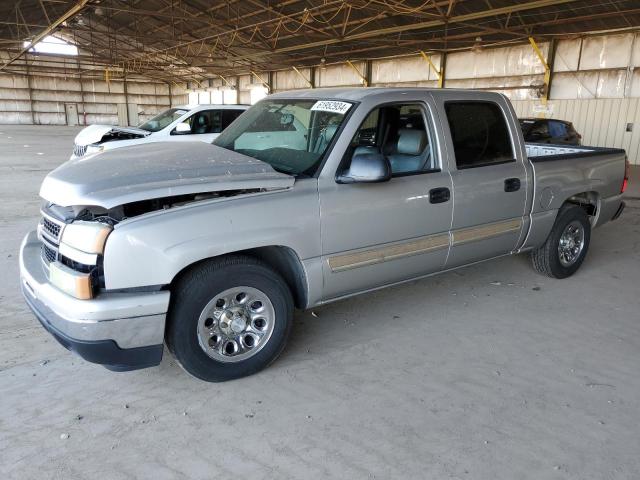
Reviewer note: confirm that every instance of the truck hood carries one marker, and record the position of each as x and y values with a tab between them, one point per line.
164	169
96	133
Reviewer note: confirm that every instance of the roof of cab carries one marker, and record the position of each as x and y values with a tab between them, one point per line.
360	93
200	106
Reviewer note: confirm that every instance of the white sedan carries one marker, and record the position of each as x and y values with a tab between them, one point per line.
184	123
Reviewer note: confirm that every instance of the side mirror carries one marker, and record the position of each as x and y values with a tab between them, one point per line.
181	129
366	168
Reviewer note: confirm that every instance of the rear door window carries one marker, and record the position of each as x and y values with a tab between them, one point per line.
229	116
479	133
206	121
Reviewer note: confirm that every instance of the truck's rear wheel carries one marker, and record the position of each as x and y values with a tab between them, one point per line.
229	318
566	247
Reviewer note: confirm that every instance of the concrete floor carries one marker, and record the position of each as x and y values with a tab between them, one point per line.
490	372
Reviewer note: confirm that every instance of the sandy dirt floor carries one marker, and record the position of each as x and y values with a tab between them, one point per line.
490	372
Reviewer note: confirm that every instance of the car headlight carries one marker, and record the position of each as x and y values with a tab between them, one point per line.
88	237
94	149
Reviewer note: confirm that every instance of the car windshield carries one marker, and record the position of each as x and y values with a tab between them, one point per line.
290	135
163	119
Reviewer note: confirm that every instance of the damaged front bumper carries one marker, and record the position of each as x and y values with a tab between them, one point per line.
122	331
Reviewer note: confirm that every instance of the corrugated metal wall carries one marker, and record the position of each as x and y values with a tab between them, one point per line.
601	122
41	99
595	84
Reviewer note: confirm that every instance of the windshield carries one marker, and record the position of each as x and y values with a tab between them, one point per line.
290	135
163	119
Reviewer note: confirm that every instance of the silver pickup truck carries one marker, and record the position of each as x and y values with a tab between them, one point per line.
308	197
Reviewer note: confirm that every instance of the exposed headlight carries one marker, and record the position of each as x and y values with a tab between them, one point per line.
94	149
88	237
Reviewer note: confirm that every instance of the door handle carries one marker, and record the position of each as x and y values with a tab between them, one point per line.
439	195
512	185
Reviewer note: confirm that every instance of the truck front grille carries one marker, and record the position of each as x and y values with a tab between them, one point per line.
79	150
52	228
48	254
50	231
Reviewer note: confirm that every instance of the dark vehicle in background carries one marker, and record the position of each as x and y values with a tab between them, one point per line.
549	130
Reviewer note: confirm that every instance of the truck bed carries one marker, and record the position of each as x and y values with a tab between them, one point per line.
591	173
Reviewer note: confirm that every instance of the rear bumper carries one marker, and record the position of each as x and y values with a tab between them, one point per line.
619	211
609	209
123	331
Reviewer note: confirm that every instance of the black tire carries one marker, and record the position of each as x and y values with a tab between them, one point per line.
197	287
546	259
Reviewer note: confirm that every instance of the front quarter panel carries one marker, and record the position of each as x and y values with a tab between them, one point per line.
152	249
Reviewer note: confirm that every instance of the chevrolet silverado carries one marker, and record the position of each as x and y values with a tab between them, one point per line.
309	197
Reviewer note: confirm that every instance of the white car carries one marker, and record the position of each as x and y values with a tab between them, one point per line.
183	123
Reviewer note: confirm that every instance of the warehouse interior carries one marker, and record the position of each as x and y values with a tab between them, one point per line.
570	60
435	379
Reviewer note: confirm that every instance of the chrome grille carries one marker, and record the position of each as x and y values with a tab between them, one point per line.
79	150
49	232
48	254
52	228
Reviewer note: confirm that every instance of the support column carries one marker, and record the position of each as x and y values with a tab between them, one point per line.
312	75
30	90
84	110
126	99
547	68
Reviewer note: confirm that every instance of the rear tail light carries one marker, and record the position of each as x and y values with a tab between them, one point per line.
625	181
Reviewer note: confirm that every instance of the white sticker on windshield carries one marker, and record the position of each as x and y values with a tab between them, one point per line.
332	106
181	112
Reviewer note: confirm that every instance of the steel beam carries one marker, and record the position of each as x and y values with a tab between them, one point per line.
265	84
427	24
307	81
439	72
228	83
363	79
47	31
547	71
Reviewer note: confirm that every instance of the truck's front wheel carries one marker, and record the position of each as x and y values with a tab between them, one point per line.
566	247
229	318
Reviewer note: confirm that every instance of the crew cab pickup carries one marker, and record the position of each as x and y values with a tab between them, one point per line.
309	197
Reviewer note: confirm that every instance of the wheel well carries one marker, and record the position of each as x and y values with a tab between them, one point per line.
588	201
282	260
286	262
